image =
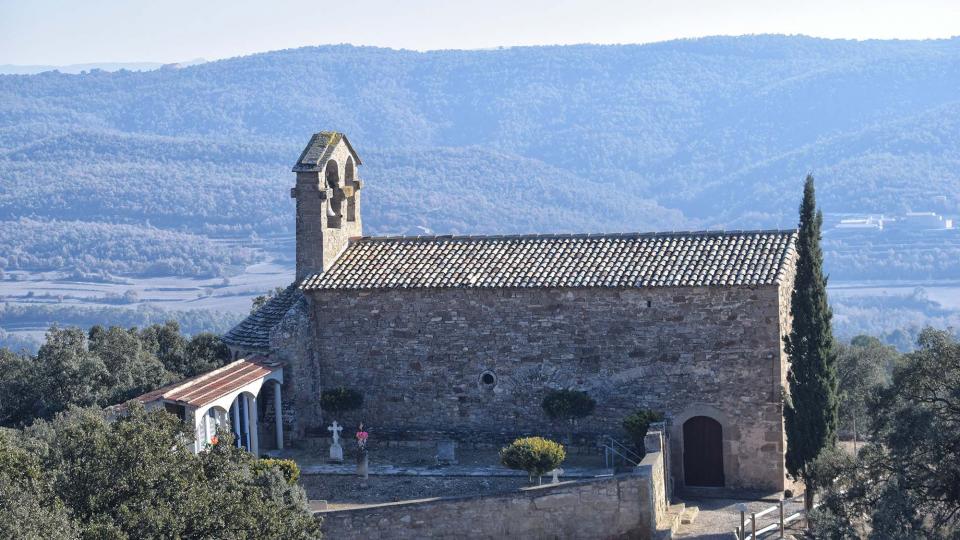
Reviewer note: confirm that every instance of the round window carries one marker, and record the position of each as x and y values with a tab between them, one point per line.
488	379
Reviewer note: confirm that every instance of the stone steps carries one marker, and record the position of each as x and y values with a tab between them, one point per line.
678	514
664	534
674	513
689	515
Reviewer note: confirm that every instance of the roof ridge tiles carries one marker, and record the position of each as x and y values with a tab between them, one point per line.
620	234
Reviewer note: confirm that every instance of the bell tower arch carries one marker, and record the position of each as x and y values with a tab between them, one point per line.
327	192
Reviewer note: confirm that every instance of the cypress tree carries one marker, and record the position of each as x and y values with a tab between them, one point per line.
810	411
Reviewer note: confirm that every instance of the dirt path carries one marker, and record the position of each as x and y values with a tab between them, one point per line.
719	517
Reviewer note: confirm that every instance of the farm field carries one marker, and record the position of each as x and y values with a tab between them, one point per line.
896	304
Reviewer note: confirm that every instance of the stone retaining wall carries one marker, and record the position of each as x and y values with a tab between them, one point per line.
623	506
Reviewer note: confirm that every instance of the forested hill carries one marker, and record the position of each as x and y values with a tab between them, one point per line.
715	132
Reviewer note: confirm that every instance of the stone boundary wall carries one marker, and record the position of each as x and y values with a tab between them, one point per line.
658	488
623	506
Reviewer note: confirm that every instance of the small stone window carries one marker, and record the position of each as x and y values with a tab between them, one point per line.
488	379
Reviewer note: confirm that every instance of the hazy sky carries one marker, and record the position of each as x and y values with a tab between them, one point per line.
66	32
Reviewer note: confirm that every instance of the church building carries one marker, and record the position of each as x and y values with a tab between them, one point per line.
461	337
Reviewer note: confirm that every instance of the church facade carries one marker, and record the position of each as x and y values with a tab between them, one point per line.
462	336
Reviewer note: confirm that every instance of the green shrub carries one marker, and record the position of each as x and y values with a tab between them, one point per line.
341	399
288	467
568	404
636	425
535	455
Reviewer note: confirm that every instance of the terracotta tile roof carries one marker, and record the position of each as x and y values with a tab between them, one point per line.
253	333
208	387
684	259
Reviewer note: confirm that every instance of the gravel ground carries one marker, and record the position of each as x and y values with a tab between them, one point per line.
425	457
349	491
484	475
718	518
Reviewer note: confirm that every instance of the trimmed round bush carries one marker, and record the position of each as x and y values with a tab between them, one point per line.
535	455
340	399
636	425
568	404
288	468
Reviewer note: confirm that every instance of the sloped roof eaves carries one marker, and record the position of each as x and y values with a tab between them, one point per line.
207	387
319	150
253	333
790	256
198	395
736	258
356	157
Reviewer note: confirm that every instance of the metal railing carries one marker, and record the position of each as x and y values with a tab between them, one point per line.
614	448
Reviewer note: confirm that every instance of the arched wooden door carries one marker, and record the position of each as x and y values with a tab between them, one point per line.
703	452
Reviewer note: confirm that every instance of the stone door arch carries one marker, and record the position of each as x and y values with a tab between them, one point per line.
703	452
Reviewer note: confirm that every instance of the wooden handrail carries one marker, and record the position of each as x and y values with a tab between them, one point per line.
741	531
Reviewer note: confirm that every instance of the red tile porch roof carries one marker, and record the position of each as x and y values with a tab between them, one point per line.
208	387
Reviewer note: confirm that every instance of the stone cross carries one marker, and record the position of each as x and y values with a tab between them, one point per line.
335	429
336	451
556	475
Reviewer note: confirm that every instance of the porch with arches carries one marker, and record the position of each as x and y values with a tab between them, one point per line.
238	396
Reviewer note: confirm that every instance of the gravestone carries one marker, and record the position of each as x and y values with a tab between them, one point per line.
336	451
446	453
556	475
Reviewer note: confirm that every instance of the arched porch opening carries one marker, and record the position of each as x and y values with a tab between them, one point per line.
270	412
214	419
243	417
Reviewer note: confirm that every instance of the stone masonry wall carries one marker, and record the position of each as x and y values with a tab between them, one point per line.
419	358
319	244
786	324
290	342
622	506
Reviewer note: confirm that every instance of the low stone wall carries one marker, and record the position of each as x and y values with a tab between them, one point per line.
656	489
624	506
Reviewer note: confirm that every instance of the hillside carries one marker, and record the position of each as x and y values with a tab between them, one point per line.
719	129
690	134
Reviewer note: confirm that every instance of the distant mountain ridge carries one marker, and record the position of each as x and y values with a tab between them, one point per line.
33	69
689	134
